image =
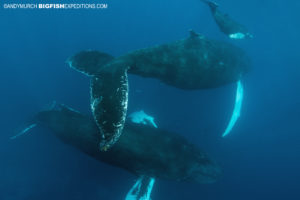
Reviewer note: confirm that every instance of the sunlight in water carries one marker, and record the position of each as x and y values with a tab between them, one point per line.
237	108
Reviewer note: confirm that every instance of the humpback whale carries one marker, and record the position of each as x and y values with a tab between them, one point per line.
228	26
192	63
143	150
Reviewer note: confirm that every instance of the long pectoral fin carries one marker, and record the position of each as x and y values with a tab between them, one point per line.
141	190
23	131
237	108
109	99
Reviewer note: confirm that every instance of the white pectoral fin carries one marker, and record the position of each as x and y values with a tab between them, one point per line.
237	108
141	190
140	117
151	120
25	130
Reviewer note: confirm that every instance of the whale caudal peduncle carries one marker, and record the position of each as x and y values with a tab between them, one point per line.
109	92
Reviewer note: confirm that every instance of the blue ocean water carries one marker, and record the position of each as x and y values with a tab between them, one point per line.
260	157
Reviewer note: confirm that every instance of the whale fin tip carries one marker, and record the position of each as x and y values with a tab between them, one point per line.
88	62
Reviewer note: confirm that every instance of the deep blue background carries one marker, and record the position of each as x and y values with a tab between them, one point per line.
260	158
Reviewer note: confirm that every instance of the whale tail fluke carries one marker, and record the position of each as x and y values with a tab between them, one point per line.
89	62
109	92
109	101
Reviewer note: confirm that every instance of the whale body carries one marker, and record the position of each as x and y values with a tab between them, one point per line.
142	150
192	63
226	24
